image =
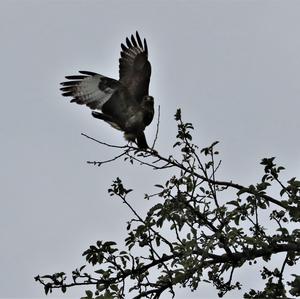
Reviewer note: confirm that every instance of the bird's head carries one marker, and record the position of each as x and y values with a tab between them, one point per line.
148	101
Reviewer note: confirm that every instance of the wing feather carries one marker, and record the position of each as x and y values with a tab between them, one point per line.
139	40
90	89
134	67
133	41
145	46
123	47
128	43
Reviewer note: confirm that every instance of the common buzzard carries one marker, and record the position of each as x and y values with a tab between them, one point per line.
125	103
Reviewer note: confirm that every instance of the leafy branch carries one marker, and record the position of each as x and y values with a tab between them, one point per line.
199	229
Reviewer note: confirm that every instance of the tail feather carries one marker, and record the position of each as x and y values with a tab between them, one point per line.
141	141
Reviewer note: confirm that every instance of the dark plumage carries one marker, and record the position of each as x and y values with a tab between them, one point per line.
125	103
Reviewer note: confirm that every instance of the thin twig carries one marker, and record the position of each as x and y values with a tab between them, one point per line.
157	128
142	221
99	163
282	268
104	143
175	163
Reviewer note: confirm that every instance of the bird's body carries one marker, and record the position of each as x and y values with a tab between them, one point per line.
125	103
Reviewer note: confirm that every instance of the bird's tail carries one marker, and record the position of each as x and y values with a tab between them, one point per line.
141	141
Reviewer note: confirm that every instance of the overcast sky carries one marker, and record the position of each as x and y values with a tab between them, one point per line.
232	66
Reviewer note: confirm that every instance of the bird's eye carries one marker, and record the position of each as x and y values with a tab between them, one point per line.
149	98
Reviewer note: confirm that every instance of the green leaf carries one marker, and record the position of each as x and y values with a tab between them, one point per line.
214	143
283	230
237	219
282	191
295	290
47	288
107	295
178	115
101	288
159	186
114	287
157	239
294	213
243	190
233	202
109	243
64	288
296	183
82	267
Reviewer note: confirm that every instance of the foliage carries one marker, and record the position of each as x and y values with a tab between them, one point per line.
199	229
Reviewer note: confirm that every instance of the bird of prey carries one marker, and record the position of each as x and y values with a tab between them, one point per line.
125	103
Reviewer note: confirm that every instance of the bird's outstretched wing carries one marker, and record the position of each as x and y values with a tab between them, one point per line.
89	88
134	67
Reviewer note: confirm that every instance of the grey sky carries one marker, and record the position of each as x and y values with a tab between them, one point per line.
232	66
